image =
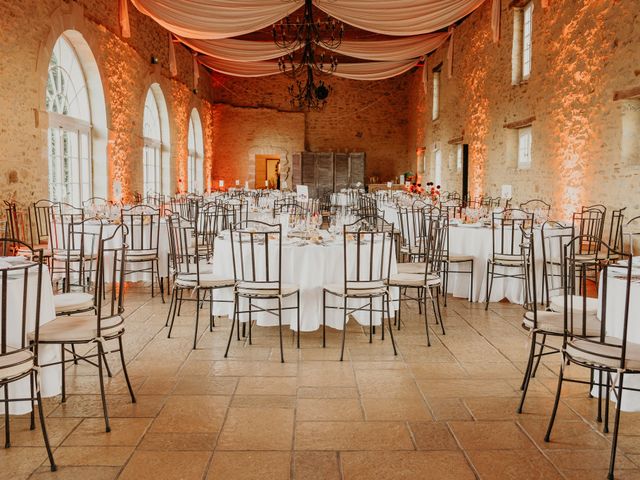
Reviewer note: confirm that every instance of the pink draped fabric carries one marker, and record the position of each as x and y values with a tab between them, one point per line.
378	50
216	18
496	8
354	71
173	65
399	17
123	13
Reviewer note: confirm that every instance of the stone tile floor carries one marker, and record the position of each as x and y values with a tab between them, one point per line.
444	412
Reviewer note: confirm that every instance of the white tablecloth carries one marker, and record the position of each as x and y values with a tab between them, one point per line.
478	242
109	229
309	267
616	293
50	377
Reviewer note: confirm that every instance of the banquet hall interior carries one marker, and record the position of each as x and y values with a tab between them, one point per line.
320	239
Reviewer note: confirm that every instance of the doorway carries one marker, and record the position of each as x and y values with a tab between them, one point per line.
267	171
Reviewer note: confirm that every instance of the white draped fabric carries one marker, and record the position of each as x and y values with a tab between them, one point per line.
379	50
354	71
399	17
216	18
123	13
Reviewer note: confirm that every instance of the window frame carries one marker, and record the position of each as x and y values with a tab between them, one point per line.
435	94
528	130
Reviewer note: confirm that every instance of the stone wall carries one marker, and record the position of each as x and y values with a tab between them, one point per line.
370	117
28	31
584	51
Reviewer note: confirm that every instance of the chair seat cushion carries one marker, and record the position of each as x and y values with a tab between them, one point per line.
73	255
453	258
207	280
270	289
72	302
507	260
412	267
357	289
413	280
25	251
144	255
15	363
556	303
605	355
553	322
79	328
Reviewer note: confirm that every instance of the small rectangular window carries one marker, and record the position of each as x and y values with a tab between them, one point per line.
524	148
526	40
436	95
459	157
437	174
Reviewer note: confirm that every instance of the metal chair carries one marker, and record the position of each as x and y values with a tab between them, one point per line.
106	324
190	272
631	231
537	207
256	249
20	327
366	268
143	225
506	232
613	357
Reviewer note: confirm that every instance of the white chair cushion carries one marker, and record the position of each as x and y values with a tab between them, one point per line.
460	258
507	260
413	280
357	289
72	302
141	255
79	328
16	363
73	255
553	322
265	289
556	303
599	354
207	280
412	267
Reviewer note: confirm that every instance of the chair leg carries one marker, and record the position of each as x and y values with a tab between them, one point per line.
607	401
370	320
298	317
106	364
63	380
43	426
435	299
280	329
471	284
445	283
528	372
344	326
160	284
172	304
180	304
75	357
393	342
195	333
616	426
124	370
426	323
177	304
32	425
102	391
233	323
543	343
324	319
490	287
555	403
152	278
7	433
250	322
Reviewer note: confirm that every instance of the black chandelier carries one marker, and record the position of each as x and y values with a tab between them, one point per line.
303	36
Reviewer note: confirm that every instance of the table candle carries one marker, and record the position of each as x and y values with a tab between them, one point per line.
237	183
221	183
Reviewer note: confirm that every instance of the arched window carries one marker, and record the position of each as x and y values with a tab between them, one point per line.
152	153
69	134
195	161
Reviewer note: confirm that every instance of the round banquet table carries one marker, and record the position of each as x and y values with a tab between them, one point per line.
616	293
308	266
476	240
107	231
50	377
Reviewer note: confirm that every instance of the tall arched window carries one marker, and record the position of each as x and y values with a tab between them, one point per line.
152	153
69	134
195	161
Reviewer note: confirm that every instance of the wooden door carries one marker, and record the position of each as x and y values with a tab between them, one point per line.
341	171
308	172
356	168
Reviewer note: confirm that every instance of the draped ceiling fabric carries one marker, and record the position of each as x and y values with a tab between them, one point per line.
208	27
353	71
